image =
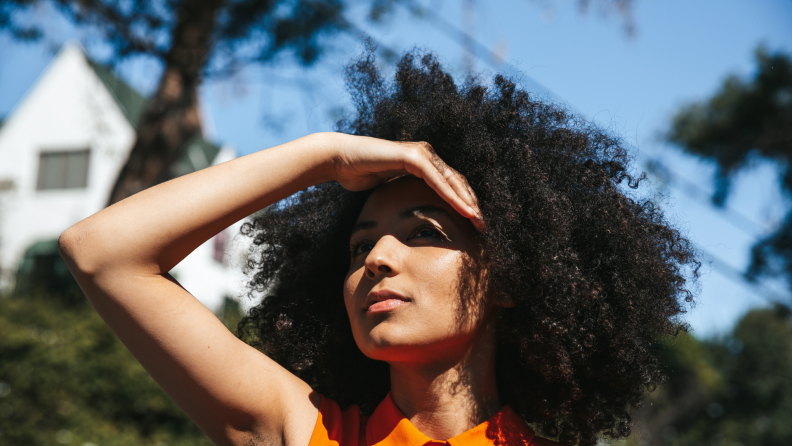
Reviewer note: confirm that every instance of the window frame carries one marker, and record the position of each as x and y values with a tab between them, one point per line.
60	162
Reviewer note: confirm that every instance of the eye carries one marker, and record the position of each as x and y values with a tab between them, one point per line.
428	231
359	247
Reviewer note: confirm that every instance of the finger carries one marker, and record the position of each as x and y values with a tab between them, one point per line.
460	184
450	179
463	189
456	180
425	169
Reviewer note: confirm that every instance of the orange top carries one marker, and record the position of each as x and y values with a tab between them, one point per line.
387	426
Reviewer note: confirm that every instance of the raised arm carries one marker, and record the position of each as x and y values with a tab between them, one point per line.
121	257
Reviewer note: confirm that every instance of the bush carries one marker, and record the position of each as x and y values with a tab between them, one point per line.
65	378
731	391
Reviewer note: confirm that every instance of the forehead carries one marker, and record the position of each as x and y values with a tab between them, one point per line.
395	196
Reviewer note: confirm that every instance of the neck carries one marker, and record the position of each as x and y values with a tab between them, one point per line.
445	400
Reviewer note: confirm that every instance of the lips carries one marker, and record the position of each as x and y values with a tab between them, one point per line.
384	300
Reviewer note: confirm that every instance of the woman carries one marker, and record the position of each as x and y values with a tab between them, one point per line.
461	260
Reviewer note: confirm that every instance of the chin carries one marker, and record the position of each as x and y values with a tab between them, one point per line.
397	344
382	344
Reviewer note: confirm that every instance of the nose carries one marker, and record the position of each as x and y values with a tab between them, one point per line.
384	260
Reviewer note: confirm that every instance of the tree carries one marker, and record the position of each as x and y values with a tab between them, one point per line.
730	391
743	120
196	38
65	378
192	39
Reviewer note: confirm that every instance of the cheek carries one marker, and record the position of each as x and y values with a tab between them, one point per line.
350	286
451	291
438	278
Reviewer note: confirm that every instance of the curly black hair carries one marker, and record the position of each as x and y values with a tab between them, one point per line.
596	274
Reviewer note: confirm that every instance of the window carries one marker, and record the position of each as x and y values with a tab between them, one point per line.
63	170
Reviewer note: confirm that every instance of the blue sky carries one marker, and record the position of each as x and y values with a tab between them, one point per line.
681	51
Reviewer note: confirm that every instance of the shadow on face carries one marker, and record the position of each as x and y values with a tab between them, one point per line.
415	290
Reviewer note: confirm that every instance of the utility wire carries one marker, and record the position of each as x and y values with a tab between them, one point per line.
470	44
735	275
730	215
734	217
484	54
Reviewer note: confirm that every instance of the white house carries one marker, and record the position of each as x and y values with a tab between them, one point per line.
61	149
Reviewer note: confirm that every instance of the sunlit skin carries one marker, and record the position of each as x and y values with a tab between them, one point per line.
403	297
442	364
409	241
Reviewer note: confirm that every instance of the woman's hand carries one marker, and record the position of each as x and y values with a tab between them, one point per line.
121	256
361	163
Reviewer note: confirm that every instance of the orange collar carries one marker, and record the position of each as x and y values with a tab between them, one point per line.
389	427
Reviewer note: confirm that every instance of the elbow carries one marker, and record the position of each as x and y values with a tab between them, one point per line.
66	244
72	247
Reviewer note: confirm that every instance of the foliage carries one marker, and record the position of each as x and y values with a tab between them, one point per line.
65	378
245	30
730	391
191	39
43	271
195	38
264	27
743	121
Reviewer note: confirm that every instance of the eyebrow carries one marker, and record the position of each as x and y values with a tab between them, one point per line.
404	215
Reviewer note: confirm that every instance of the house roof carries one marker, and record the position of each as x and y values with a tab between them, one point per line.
130	101
199	152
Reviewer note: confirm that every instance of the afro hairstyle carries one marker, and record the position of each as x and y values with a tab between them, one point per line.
596	275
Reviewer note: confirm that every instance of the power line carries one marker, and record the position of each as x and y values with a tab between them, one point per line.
484	54
694	191
473	46
728	214
735	275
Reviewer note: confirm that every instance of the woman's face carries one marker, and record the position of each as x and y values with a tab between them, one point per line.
413	292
